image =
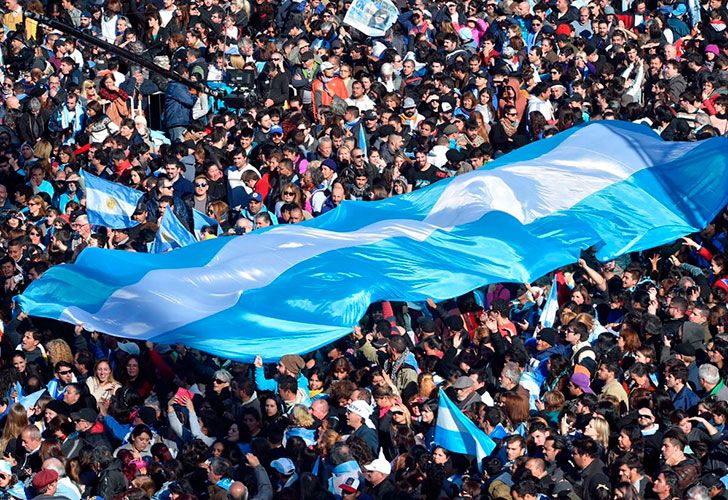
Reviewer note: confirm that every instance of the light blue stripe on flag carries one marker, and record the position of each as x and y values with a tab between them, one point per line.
201	220
457	433
171	234
295	288
108	203
551	307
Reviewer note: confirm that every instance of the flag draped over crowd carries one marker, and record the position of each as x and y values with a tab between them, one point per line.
295	288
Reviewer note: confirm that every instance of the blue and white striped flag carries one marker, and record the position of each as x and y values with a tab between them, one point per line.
172	234
551	307
200	221
109	203
297	287
457	433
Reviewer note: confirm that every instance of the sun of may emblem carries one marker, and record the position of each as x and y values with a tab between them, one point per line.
110	203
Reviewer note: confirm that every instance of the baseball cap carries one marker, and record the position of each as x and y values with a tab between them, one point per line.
445	107
128	347
582	381
337	44
284	465
86	414
370	115
409	103
256	197
680	10
350	485
609	10
6	468
326	65
86	14
275	129
379	465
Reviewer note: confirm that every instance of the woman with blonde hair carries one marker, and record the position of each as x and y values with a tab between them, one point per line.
598	430
88	92
102	384
427	386
16	420
302	417
36	209
43	149
58	350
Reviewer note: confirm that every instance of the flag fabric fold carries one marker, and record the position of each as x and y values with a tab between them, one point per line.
551	307
109	204
294	288
172	234
455	432
200	221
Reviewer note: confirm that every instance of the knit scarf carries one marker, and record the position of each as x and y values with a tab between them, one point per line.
508	127
361	141
71	119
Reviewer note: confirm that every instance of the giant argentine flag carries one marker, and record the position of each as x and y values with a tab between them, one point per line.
295	288
109	203
457	433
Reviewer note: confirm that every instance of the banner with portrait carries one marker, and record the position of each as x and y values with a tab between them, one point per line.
371	17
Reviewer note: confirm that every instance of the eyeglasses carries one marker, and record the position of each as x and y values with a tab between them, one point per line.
33	204
276	59
358	156
511	114
163	186
200	184
65	372
645	416
218	381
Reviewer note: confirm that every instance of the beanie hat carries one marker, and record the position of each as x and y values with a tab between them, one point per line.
293	363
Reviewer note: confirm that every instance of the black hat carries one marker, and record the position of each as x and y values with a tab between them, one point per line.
370	115
547	335
711	480
685	349
306	56
426	324
86	414
455	156
59	407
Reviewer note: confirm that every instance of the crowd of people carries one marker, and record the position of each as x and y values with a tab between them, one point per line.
625	397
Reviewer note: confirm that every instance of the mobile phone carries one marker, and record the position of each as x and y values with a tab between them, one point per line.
183	393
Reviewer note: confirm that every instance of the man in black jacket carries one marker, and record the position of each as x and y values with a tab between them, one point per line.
273	83
586	457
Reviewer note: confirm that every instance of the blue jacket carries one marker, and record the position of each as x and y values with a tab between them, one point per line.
178	105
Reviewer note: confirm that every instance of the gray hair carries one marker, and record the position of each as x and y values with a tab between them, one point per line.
709	373
223	375
56	465
512	372
698	492
340	453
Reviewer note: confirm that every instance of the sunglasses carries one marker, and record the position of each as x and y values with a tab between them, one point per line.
288	193
358	156
396	412
218	381
65	372
200	185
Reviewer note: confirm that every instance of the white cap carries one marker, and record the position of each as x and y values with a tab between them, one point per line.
128	347
326	65
284	465
6	468
379	465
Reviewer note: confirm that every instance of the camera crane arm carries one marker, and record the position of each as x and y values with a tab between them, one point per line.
123	53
